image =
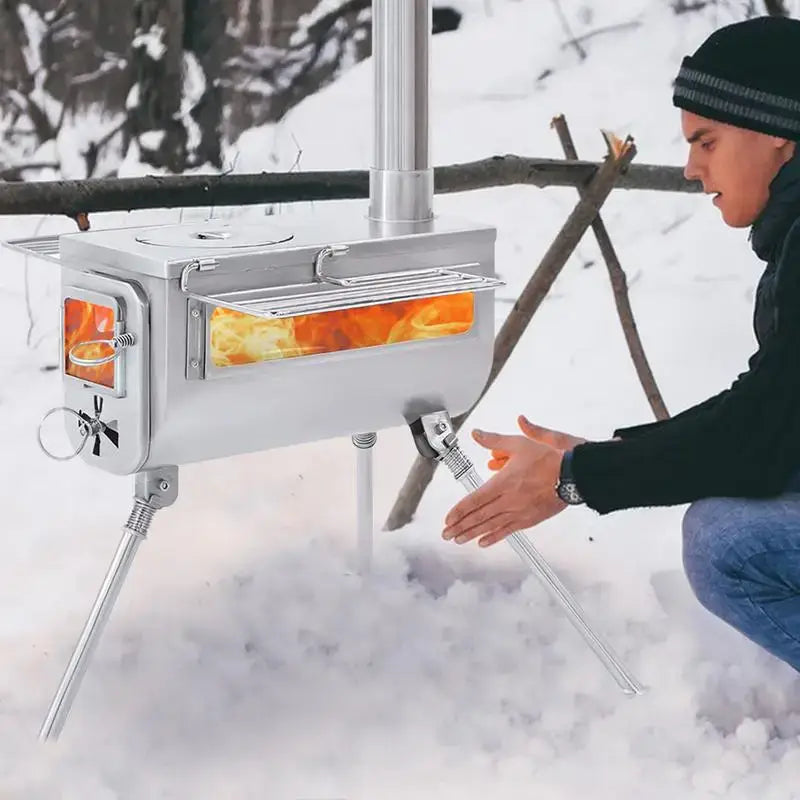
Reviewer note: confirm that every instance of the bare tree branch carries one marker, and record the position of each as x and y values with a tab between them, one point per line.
571	40
73	197
54	15
28	302
622	26
100	72
14	171
619	285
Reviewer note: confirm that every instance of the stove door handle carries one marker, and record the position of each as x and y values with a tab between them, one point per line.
331	251
117	344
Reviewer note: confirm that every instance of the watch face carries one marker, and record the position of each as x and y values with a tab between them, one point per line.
569	493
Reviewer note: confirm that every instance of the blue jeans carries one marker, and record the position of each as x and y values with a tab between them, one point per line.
742	558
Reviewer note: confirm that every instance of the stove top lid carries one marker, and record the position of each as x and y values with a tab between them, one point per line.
213	235
162	251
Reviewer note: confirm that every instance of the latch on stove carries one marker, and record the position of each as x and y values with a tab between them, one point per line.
88	427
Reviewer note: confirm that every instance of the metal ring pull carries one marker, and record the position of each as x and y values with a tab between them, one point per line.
85	427
117	344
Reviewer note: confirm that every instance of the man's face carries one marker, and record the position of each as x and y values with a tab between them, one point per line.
734	164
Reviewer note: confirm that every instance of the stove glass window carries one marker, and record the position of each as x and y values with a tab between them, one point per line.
88	322
238	338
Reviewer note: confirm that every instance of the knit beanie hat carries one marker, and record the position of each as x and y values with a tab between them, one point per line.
748	75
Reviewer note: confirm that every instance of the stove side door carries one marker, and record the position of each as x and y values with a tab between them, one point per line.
104	384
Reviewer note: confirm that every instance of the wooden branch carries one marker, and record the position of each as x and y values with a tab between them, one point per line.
511	169
619	284
111	133
189	191
528	302
90	77
571	39
13	172
620	26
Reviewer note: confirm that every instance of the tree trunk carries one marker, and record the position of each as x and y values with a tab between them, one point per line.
14	38
12	35
205	38
157	58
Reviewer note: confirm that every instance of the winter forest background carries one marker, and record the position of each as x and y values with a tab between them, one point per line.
177	79
172	78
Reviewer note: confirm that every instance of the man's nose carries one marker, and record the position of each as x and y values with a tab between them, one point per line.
691	171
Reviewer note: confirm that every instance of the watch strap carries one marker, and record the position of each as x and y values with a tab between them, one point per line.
566	489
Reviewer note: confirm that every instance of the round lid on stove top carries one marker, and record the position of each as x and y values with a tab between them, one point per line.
213	235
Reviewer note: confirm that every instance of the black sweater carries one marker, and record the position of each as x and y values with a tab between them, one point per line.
745	441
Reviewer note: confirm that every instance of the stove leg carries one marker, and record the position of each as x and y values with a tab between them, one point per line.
435	437
154	489
364	443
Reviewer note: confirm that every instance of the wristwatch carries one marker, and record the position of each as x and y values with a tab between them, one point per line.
566	488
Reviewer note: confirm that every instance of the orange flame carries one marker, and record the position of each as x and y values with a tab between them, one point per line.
84	322
239	338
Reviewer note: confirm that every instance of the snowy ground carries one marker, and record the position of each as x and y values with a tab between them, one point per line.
245	660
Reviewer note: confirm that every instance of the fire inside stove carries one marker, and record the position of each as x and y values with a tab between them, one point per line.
238	338
88	322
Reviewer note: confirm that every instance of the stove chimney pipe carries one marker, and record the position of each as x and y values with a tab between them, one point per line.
401	180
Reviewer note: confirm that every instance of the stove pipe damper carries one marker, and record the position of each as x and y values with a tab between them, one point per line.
400	204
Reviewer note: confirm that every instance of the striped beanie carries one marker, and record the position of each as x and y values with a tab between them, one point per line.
748	75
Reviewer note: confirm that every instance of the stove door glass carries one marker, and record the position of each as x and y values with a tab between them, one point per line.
237	338
89	322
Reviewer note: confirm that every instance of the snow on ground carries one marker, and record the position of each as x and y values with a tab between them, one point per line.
245	659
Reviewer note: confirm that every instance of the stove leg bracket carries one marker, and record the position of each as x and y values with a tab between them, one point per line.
435	437
154	489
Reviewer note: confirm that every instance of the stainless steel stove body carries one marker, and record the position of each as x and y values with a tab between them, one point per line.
244	338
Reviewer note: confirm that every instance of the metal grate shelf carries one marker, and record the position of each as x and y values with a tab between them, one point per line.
352	292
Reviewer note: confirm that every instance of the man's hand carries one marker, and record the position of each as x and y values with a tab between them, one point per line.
520	496
557	439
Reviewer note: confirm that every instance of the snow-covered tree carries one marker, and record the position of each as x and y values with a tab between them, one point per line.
40	48
175	105
156	79
332	37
